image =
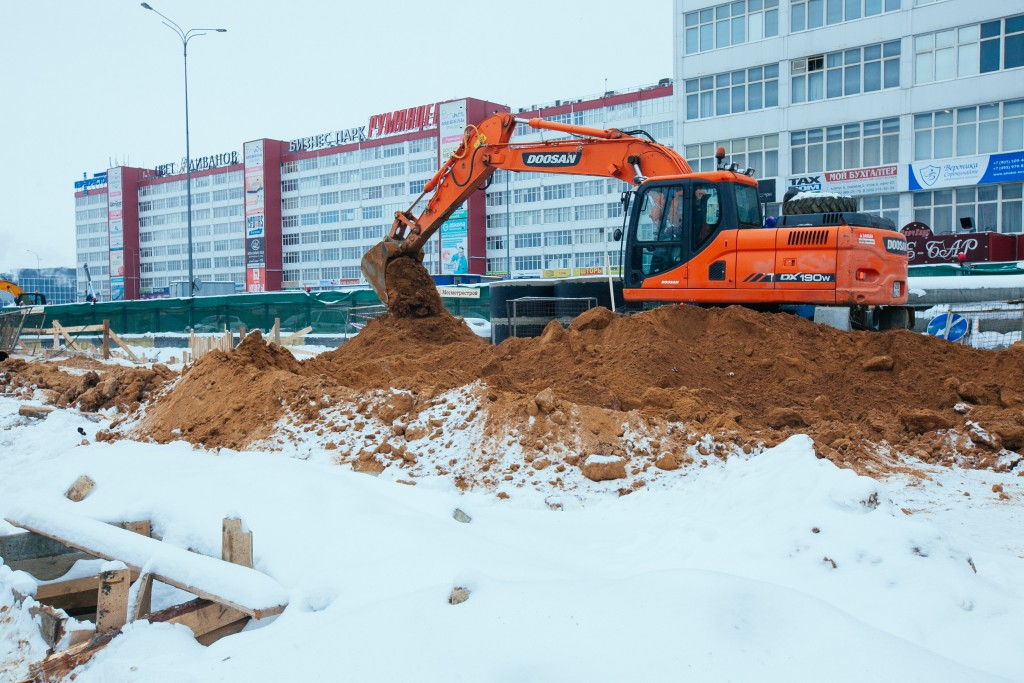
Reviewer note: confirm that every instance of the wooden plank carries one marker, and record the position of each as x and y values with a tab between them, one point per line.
58	589
124	347
192	584
292	337
236	545
112	601
37	412
275	331
67	337
204	617
144	527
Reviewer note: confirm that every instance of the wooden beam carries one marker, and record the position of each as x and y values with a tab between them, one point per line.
275	332
143	527
188	584
105	349
292	337
67	337
56	667
236	545
124	347
204	617
112	600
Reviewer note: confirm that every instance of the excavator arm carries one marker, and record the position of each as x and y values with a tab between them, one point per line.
486	148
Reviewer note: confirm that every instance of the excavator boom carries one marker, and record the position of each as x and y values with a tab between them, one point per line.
486	148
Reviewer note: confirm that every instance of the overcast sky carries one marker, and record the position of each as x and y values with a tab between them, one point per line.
87	85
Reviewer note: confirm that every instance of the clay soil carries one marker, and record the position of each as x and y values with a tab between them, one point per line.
749	379
100	387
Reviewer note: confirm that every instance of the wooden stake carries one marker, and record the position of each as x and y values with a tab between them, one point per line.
275	333
143	598
56	337
124	347
236	545
106	340
112	601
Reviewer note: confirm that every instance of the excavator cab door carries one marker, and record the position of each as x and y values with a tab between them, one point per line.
657	242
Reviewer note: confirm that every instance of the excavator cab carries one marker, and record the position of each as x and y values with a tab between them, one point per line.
674	222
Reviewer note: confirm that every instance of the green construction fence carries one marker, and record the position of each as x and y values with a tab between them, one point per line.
325	312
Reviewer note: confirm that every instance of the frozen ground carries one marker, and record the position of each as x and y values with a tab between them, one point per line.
778	567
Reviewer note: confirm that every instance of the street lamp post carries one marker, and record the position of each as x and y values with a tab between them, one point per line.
37	260
186	35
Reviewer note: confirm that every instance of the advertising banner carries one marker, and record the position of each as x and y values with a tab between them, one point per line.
983	169
256	252
255	279
851	182
451	125
454	244
115	233
255	217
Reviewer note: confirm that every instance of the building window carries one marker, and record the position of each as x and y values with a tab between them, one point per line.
552	261
561	214
327	217
884	205
428	165
416	186
852	145
497	264
805	15
330	197
497	220
589	188
521	218
969	130
527	240
371	212
558	238
290	257
995	208
528	263
499	198
428	144
733	23
588	212
289	221
309	219
562	191
969	50
289	167
663	130
370	172
849	72
731	93
527	194
393	170
372	192
311	256
290	240
760	152
394	190
308	164
495	242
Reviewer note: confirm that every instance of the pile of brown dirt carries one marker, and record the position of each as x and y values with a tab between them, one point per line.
411	292
229	399
101	387
749	378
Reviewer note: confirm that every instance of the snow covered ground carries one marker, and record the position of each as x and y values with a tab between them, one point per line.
777	567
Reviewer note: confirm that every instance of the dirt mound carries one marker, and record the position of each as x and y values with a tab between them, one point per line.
229	399
675	373
411	292
99	388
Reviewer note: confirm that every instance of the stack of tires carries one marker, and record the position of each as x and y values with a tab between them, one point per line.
818	204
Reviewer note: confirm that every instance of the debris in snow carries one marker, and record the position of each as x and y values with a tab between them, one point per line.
461	516
458	595
80	489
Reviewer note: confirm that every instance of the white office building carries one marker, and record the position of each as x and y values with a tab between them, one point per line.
914	106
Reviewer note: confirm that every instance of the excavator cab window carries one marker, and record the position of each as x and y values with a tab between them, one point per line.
659	230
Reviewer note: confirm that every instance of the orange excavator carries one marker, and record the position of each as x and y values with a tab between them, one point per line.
689	237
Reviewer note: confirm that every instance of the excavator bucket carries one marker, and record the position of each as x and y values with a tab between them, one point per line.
375	264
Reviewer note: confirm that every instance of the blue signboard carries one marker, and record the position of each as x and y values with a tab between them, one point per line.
1007	167
949	326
